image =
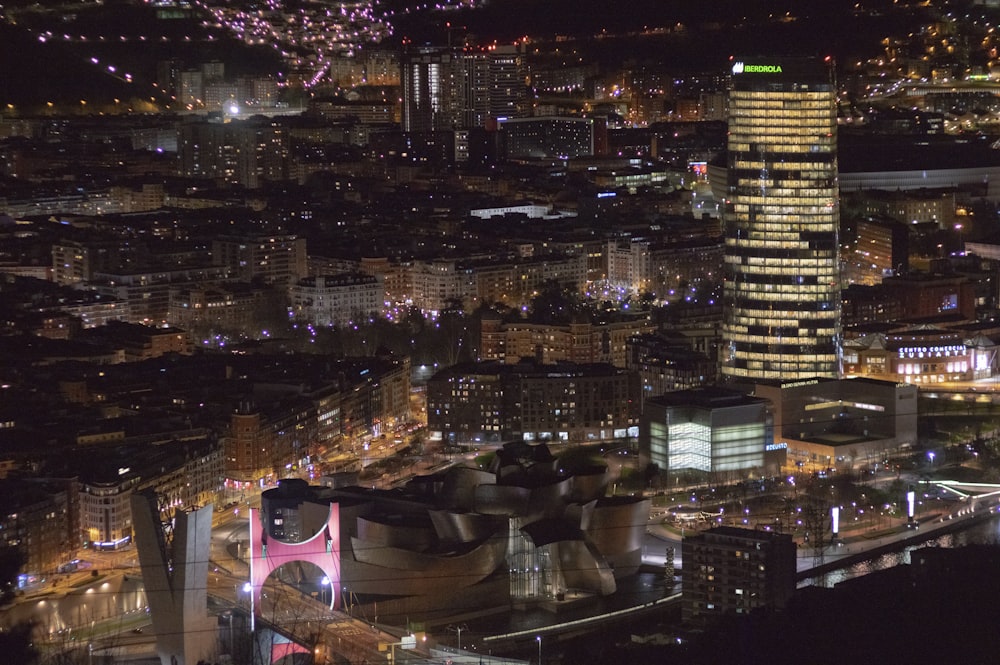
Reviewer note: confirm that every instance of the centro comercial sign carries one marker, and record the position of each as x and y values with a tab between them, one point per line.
750	68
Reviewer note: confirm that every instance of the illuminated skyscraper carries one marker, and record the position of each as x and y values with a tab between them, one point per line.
431	89
451	88
781	317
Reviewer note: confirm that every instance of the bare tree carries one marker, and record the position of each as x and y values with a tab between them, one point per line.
300	617
818	531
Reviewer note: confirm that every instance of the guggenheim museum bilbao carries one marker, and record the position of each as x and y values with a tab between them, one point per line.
521	533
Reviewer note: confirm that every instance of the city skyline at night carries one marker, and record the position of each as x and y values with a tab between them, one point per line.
500	331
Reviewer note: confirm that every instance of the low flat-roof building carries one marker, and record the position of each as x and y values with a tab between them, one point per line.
841	422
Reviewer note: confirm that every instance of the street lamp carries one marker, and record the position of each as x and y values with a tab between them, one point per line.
347	599
539	640
248	588
229	614
327	587
458	629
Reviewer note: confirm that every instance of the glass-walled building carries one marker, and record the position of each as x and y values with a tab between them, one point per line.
781	312
711	430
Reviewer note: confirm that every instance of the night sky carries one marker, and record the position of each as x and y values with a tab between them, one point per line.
680	36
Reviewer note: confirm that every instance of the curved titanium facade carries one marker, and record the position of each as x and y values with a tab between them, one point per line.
444	534
781	317
398	571
583	567
616	529
463	527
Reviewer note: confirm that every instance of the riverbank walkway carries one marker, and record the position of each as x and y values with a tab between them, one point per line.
971	502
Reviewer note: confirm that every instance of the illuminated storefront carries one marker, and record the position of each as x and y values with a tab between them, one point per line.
781	316
921	355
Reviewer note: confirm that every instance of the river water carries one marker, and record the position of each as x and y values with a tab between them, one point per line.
79	607
980	533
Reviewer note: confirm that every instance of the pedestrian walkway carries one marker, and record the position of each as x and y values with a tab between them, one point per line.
859	546
974	501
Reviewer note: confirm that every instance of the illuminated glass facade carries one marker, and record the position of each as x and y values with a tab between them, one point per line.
431	97
705	429
782	291
446	88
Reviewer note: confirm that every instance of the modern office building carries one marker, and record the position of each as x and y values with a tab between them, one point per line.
450	88
845	423
430	81
781	317
495	84
708	430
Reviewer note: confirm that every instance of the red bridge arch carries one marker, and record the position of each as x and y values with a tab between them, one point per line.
322	550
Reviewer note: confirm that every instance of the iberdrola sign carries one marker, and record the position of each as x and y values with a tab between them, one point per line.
741	68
